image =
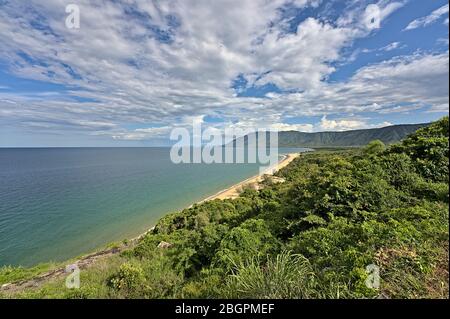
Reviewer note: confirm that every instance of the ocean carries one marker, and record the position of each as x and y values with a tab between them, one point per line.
59	203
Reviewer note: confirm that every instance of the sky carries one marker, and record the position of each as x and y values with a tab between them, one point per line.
134	70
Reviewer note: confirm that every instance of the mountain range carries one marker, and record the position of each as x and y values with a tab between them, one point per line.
354	138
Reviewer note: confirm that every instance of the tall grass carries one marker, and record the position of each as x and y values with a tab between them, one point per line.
285	276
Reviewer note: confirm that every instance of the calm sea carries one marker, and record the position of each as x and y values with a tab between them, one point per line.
58	203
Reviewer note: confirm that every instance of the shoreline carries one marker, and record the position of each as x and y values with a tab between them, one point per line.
233	191
88	259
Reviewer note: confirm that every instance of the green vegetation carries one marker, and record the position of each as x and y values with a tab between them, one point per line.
310	237
13	274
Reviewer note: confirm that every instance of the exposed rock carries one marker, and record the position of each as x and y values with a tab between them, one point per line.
164	245
277	180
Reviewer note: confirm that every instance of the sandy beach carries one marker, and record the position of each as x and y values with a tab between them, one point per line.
235	190
87	260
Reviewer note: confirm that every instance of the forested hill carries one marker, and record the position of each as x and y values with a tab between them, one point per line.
388	135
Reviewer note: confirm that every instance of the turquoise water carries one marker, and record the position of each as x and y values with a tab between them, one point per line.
59	203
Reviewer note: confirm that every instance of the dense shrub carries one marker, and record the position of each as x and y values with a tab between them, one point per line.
129	278
374	147
251	238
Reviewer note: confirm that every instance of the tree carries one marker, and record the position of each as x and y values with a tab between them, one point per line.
374	147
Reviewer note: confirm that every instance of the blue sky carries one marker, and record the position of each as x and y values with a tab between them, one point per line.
135	70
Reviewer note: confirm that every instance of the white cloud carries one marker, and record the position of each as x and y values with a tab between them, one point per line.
300	60
440	108
346	124
388	8
427	20
391	46
368	16
411	80
126	72
280	127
